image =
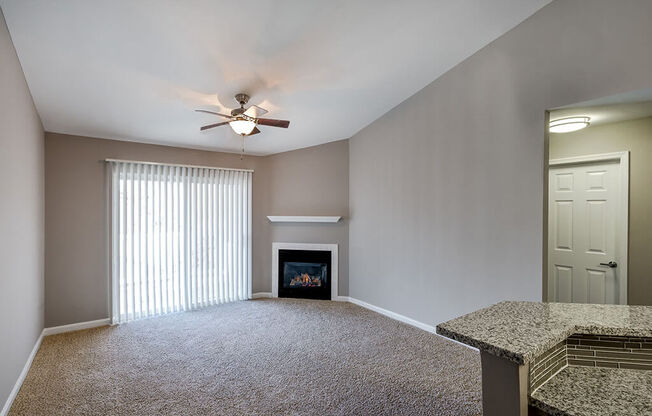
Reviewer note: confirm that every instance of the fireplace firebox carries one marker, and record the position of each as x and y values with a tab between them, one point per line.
304	274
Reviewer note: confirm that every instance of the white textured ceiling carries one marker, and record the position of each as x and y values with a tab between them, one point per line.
135	69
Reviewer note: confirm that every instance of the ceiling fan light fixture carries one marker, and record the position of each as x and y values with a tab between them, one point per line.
569	124
242	127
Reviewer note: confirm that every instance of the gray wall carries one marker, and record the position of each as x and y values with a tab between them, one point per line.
76	285
446	190
635	136
21	218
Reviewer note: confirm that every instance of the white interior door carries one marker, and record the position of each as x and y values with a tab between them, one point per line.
584	223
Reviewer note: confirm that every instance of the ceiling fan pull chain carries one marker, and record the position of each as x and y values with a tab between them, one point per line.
242	153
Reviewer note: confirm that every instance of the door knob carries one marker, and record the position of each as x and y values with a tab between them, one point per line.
611	264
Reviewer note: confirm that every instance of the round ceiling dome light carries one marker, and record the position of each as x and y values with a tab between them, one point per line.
242	126
568	124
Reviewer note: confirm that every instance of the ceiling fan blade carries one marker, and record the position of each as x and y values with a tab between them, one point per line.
254	131
213	112
210	126
251	111
255	111
274	123
261	110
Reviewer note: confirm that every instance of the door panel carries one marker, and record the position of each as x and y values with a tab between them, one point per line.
565	182
564	279
564	228
595	215
597	282
595	180
579	287
582	232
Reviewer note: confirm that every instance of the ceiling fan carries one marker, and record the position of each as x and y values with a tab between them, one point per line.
244	121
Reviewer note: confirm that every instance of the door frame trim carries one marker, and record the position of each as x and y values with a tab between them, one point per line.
622	226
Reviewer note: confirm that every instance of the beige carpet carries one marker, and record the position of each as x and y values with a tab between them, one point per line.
264	357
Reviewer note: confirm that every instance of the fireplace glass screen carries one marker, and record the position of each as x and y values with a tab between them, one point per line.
298	274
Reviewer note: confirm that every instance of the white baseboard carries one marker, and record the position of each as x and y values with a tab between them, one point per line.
76	327
342	299
261	295
402	318
393	315
21	377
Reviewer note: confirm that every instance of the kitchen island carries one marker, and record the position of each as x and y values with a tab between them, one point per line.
560	358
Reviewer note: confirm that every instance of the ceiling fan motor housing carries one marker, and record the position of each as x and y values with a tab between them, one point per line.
242	98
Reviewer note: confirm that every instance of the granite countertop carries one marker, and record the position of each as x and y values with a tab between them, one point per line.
592	391
520	331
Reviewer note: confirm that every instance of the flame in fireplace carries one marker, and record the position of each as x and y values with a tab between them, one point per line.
305	280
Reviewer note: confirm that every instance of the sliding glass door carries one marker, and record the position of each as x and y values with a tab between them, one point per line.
180	238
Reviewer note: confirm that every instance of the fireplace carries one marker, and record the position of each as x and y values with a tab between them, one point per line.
304	274
304	271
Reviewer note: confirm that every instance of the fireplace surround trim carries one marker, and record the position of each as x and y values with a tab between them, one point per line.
305	246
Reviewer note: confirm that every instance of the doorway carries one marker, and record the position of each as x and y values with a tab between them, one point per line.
587	228
597	228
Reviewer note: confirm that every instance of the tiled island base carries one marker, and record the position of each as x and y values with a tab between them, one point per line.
606	351
634	353
547	364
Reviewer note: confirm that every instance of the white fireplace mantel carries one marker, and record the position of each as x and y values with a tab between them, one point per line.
302	218
304	246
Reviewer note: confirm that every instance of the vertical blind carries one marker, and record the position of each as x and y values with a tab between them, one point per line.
180	238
